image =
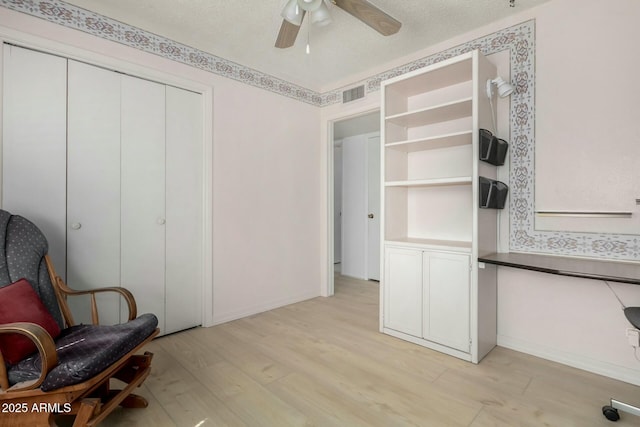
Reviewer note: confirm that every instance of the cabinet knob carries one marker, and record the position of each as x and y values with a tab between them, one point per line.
370	216
161	221
76	226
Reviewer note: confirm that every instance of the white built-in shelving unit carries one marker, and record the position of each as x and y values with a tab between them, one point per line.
432	291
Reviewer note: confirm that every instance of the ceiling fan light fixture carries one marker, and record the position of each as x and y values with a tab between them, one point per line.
318	10
292	13
321	16
309	5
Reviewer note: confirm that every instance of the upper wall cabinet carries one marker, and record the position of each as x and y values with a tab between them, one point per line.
433	221
110	167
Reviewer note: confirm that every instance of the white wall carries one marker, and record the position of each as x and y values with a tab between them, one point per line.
267	202
574	321
266	209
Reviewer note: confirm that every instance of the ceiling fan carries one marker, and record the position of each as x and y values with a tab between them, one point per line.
295	10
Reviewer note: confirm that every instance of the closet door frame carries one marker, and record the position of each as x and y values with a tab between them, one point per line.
18	38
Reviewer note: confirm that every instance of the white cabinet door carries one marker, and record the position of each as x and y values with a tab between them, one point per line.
34	138
446	299
143	194
403	290
184	210
93	188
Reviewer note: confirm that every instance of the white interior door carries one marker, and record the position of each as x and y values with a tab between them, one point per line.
93	188
183	209
34	138
337	202
354	207
143	194
373	201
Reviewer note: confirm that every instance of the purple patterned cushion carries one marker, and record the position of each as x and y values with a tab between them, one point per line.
86	350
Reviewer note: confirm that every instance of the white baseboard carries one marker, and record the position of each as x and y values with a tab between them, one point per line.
622	373
219	318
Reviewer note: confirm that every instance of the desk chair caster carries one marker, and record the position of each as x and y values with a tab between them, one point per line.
611	411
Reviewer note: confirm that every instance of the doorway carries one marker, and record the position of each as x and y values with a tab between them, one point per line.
356	197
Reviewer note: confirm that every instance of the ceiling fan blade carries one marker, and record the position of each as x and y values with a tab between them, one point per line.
369	14
288	33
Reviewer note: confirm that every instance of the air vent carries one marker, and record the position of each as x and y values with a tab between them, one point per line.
353	94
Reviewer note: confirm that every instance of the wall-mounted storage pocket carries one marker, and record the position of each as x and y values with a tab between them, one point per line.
493	194
492	149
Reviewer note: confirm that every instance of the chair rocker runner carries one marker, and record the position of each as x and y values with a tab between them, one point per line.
49	365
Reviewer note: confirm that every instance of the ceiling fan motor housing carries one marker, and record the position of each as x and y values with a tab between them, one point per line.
309	5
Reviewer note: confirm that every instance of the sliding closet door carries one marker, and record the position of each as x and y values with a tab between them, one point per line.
34	122
143	193
93	188
110	168
184	210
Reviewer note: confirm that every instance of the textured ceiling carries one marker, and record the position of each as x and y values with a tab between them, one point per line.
244	31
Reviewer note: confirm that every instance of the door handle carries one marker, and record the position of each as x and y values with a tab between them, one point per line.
370	216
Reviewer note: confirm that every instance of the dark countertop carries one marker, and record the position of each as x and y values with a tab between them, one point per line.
612	271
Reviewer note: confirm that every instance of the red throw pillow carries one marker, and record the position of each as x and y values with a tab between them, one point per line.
20	303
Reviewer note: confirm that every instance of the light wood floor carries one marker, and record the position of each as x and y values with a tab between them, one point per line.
323	362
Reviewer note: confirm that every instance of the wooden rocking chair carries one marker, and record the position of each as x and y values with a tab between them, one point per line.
69	374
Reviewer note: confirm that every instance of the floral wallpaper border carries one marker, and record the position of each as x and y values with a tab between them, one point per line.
519	40
71	16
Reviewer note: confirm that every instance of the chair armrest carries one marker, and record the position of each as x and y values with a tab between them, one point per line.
62	291
45	345
126	294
